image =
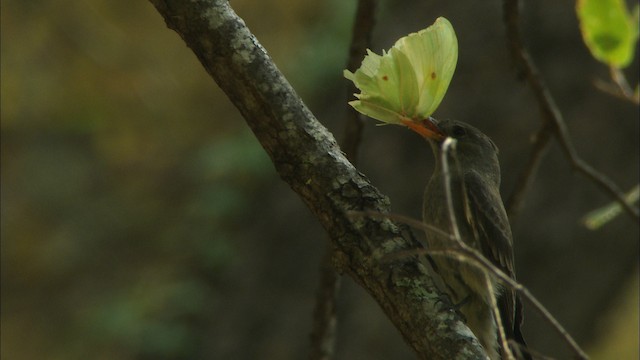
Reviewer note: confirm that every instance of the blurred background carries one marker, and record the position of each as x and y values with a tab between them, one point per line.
141	219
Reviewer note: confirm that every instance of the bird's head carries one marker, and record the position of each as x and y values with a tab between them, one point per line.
474	150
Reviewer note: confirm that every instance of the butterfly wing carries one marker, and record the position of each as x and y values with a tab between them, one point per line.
433	53
410	80
388	86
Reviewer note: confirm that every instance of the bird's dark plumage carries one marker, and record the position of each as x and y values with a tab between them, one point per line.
483	224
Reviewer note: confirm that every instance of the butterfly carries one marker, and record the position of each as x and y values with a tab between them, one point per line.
407	83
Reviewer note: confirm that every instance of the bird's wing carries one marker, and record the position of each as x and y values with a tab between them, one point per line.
488	219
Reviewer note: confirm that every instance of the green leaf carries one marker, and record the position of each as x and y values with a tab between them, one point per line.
609	30
598	217
410	80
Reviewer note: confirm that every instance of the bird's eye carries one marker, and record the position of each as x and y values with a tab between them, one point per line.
458	131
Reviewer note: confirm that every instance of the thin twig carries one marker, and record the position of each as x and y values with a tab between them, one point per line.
461	250
527	69
615	89
325	321
411	222
623	85
323	333
514	203
360	42
608	87
478	260
447	145
497	318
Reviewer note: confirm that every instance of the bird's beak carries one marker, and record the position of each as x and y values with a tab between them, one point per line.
427	128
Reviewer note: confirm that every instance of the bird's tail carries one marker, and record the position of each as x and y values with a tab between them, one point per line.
521	351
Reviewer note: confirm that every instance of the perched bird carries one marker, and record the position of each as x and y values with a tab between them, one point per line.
482	223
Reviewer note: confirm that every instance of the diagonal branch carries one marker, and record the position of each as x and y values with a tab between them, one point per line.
525	179
360	42
325	320
324	315
553	121
307	157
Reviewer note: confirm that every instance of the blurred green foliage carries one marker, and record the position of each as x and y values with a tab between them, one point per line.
125	173
609	30
618	328
141	219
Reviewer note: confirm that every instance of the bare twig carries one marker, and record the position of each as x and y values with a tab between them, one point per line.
514	203
324	319
472	256
623	85
497	318
477	259
527	69
411	222
323	332
618	86
609	88
613	89
360	42
449	143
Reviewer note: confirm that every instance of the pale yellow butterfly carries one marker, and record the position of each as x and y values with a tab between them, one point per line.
408	82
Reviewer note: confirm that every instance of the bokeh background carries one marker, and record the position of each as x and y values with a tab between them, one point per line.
141	219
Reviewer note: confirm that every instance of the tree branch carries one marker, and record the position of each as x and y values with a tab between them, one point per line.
324	315
553	120
514	203
360	42
323	329
307	157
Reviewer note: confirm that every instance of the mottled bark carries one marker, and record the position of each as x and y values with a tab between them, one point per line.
306	156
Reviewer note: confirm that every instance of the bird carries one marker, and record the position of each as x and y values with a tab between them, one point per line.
482	222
